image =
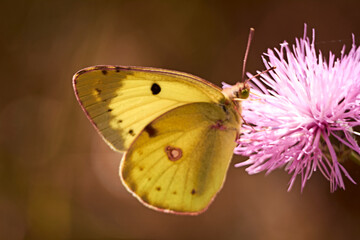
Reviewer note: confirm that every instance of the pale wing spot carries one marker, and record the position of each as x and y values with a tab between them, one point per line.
173	153
96	93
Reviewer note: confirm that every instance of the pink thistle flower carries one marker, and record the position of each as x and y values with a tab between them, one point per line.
303	114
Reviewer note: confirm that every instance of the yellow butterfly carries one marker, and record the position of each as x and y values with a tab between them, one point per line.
178	131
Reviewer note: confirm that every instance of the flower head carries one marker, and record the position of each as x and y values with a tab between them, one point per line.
302	115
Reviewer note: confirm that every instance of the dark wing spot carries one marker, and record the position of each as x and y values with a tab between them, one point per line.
149	179
109	110
150	130
155	89
141	168
158	188
193	191
104	72
131	132
119	121
224	108
117	69
174	192
98	90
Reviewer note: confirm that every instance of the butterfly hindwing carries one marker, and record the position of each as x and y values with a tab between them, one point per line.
179	161
121	101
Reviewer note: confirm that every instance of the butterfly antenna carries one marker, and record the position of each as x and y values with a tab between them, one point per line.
247	80
251	36
265	71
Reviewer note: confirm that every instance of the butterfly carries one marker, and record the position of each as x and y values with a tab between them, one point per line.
177	130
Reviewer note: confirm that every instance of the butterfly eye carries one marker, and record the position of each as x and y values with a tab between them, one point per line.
244	93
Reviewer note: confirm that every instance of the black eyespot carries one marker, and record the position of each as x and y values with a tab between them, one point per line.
193	191
155	89
224	108
109	110
104	72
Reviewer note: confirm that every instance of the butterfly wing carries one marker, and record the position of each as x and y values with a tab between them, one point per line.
179	161
121	101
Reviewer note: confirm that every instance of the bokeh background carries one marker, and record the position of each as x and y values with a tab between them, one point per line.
59	180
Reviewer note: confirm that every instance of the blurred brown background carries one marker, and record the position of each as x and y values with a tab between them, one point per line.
59	180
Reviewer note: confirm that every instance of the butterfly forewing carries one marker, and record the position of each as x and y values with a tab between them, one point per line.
121	101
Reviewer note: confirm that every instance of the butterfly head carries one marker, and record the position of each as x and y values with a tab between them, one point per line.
238	92
244	90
